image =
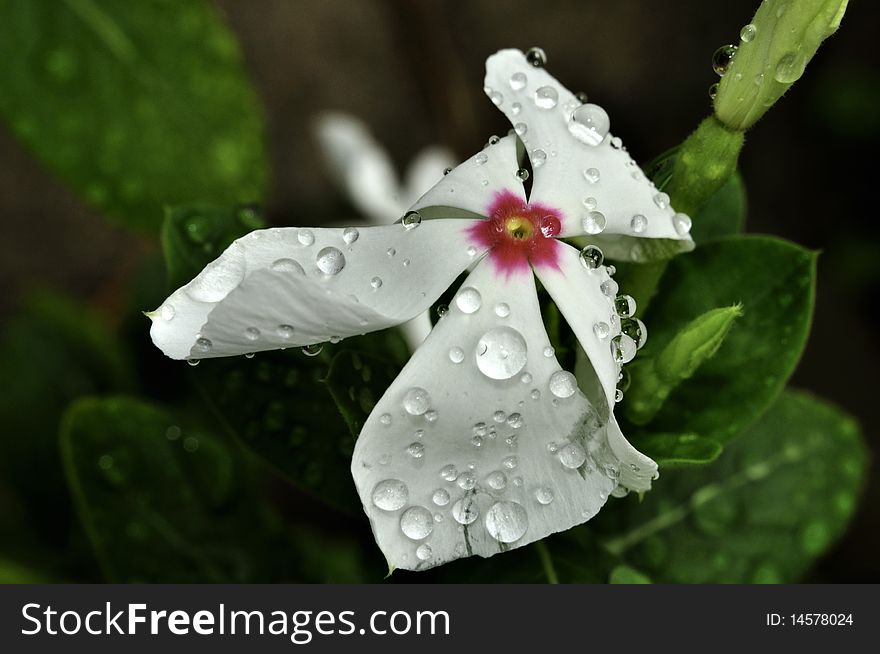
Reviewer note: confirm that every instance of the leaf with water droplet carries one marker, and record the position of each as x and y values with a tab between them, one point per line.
135	106
779	497
355	408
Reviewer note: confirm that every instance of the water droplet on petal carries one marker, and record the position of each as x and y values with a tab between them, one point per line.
510	462
638	224
252	333
456	355
747	33
589	124
506	522
636	330
390	495
496	480
609	287
502	310
572	455
287	266
591	257
546	97
521	129
544	495
722	58
563	384
411	220
424	552
661	200
625	306
468	300
440	497
594	222
538	158
522	174
284	331
312	350
305	237
203	344
601	329
166	311
549	351
682	223
623	348
501	353
713	91
518	81
416	450
449	472
416	523
416	401
465	511
376	283
330	261
536	57
350	235
466	481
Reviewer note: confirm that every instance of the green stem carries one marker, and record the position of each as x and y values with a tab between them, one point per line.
547	562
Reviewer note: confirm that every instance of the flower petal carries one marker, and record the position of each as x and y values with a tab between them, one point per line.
569	172
424	171
361	166
482	443
471	186
590	313
284	287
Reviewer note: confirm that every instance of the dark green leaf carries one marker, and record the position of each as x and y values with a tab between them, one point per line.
774	281
134	104
724	213
624	574
195	235
777	499
357	382
15	573
678	449
52	352
655	377
165	503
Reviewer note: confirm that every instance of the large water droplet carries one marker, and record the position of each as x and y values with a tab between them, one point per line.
312	350
589	124
468	300
601	329
449	472
465	511
536	57
538	158
546	97
416	401
594	222
522	174
417	523
305	237
507	522
350	235
682	223
330	260
636	330
440	497
623	348
790	68
544	495
638	224
496	480
609	287
501	353
563	384
625	305
411	220
592	257
722	58
203	344
747	33
466	481
518	81
572	455
390	495
287	266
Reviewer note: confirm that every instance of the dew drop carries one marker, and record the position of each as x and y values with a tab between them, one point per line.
305	237
546	97
592	175
515	420
456	355
682	224
549	351
609	287
464	511
518	81
469	300
544	495
601	329
636	330
390	495
502	310
591	257
521	129
416	523
496	480
481	158
522	174
287	266
376	283
563	384
385	419
536	57
506	522
594	222
589	124
312	350
501	353
572	455
424	552
638	224
661	200
713	91
416	401
449	472
284	331
466	481
625	305
330	261
747	33
203	344
623	348
515	108
440	497
416	450
350	235
411	220
722	58
539	158
510	462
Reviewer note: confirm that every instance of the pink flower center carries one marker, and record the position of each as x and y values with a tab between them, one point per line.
518	234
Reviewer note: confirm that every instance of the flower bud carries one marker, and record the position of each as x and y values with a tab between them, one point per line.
772	55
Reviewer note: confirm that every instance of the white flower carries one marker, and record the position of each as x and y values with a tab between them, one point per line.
363	169
483	443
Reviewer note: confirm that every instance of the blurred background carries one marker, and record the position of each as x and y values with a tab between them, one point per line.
412	71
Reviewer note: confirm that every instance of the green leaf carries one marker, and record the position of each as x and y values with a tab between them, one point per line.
51	352
780	496
655	377
724	214
624	574
195	235
12	572
165	503
134	104
774	281
356	382
678	449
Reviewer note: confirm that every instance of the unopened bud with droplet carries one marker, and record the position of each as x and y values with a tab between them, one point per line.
775	48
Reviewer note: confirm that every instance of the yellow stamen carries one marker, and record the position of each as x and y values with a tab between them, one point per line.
519	228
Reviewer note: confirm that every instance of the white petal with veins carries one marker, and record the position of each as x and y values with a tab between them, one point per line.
507	455
284	287
471	186
576	176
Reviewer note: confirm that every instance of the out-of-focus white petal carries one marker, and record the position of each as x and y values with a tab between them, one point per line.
483	443
425	170
586	173
283	287
471	186
360	165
